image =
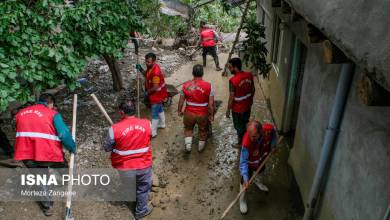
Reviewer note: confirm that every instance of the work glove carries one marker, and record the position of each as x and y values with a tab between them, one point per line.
139	67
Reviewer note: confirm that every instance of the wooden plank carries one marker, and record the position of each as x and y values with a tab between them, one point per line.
371	93
332	54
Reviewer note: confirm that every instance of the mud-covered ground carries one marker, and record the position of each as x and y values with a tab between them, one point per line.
192	186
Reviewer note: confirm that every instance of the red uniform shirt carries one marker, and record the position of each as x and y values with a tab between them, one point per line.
208	37
197	94
257	150
155	76
132	149
243	86
36	136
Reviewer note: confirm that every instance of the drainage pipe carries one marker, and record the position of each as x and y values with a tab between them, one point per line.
343	86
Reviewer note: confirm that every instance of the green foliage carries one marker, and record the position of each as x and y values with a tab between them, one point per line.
254	46
168	26
214	13
44	43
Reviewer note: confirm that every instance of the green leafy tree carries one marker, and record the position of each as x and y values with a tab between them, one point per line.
254	46
44	43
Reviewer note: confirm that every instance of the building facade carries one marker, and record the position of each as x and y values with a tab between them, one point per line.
313	45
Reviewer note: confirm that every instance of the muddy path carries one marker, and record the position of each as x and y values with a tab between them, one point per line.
192	186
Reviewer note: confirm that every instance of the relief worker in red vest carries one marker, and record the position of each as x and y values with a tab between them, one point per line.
208	40
242	90
129	142
256	145
198	96
40	134
156	91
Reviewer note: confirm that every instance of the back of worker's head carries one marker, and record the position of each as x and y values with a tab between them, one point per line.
127	108
197	70
47	99
235	64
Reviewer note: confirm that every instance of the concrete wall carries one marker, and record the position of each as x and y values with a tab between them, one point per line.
360	172
279	73
358	186
361	28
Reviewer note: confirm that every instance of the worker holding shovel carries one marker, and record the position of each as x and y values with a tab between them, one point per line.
208	41
40	134
156	91
256	145
129	142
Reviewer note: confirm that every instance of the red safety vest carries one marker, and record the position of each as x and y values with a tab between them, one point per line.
132	150
36	136
257	150
162	93
243	89
197	95
208	37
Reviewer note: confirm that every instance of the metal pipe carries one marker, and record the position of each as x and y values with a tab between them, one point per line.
343	87
387	214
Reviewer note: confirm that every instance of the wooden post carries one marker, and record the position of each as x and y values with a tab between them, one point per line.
333	54
371	93
224	73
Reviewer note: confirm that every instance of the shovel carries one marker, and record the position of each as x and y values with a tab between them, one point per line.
68	212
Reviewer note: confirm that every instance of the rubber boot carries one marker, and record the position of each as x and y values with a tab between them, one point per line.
161	121
188	143
243	205
260	184
217	63
154	127
204	61
201	146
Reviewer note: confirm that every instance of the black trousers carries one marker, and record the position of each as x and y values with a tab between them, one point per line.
42	168
239	121
210	51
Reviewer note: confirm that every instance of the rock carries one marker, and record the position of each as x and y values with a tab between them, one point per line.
181	49
155	204
103	69
165	199
154	49
1	210
156	181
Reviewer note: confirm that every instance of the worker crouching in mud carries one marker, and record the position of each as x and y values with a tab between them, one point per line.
129	142
256	145
156	91
198	96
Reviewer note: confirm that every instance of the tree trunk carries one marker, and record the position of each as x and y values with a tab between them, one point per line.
5	144
248	2
117	81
